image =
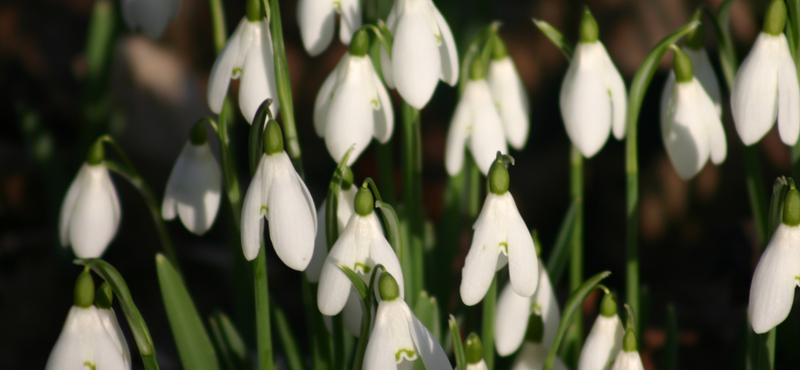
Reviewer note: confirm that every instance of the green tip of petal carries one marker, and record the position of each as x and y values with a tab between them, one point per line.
498	178
775	18
477	71
608	308
96	153
536	243
253	9
682	66
198	134
347	178
364	202
535	330
791	206
499	51
589	32
694	39
84	290
104	296
359	45
388	287
474	349
629	340
273	138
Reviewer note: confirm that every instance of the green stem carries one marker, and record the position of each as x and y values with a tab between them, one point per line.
755	191
99	53
412	187
576	252
320	339
290	349
386	171
263	330
487	330
218	26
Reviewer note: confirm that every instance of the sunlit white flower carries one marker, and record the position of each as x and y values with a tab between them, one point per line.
593	99
90	214
247	55
86	343
352	105
704	72
513	311
344	210
690	124
194	186
151	16
775	279
316	18
604	340
480	365
532	356
628	361
398	337
509	96
423	51
109	320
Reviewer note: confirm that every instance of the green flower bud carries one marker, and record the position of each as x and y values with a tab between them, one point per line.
695	38
608	307
498	178
474	349
364	202
198	134
499	50
629	340
535	331
388	287
96	154
682	66
273	138
477	71
775	18
791	206
589	32
253	9
359	45
84	290
104	296
347	178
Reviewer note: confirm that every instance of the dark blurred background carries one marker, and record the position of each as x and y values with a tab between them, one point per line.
697	238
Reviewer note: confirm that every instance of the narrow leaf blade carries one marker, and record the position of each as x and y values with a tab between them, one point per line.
555	36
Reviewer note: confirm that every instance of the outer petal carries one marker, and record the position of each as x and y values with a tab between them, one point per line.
628	361
511	99
334	285
386	69
416	62
616	88
457	135
447	50
84	339
315	18
480	365
291	216
522	261
199	189
718	145
380	353
350	119
382	253
704	73
532	357
323	100
479	266
788	96
685	130
754	96
110	323
258	76
602	344
545	302
95	218
383	117
170	203
222	71
320	246
511	320
254	208
772	290
487	136
429	349
68	206
350	21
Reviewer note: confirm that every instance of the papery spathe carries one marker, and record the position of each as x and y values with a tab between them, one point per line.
774	280
193	189
85	342
316	19
152	16
511	99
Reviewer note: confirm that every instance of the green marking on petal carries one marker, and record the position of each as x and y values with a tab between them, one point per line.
264	210
504	245
364	268
438	39
236	72
536	308
375	103
409	354
90	365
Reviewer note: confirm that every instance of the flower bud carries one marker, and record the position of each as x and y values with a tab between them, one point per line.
499	50
498	178
477	71
253	9
198	134
360	43
474	349
588	31
347	178
682	66
535	332
104	296
273	138
96	153
629	340
775	18
608	308
364	202
388	287
791	206
694	39
84	290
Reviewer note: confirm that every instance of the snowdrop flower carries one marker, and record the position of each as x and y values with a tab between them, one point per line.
690	124
361	247
316	18
473	350
703	70
476	118
84	340
90	214
247	54
605	338
352	105
766	85
500	237
509	95
344	209
103	300
532	356
628	358
593	98
278	193
194	185
778	269
423	51
513	312
398	337
151	16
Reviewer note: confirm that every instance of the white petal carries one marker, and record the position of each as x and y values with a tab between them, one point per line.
350	117
320	246
323	100
169	205
522	261
416	62
68	206
584	102
788	96
602	344
628	361
511	99
684	128
334	285
350	20
380	353
545	301
429	349
754	97
510	320
196	188
258	76
616	88
109	320
480	365
457	135
487	136
447	50
222	71
386	68
84	339
315	18
95	218
774	280
718	145
254	208
532	357
384	115
479	266
704	72
382	253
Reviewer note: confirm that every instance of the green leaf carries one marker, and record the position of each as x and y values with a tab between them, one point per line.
194	346
141	334
233	353
727	54
557	262
779	189
358	283
458	345
392	224
255	147
671	346
573	305
427	311
555	36
293	356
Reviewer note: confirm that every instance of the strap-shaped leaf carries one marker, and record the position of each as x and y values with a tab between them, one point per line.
458	345
290	349
671	346
194	345
557	262
358	283
233	353
555	36
727	54
426	308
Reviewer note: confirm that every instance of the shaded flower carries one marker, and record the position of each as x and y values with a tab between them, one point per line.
316	18
509	96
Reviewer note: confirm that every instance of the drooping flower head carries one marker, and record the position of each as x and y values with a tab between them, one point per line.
628	358
605	339
151	16
593	99
509	95
690	124
352	105
316	20
766	87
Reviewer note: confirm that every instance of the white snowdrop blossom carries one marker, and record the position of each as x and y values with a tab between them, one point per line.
513	312
690	124
151	16
628	361
111	324
604	340
86	342
194	187
344	210
423	51
90	213
316	19
532	357
247	55
510	98
398	338
480	365
352	105
593	99
775	278
704	72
